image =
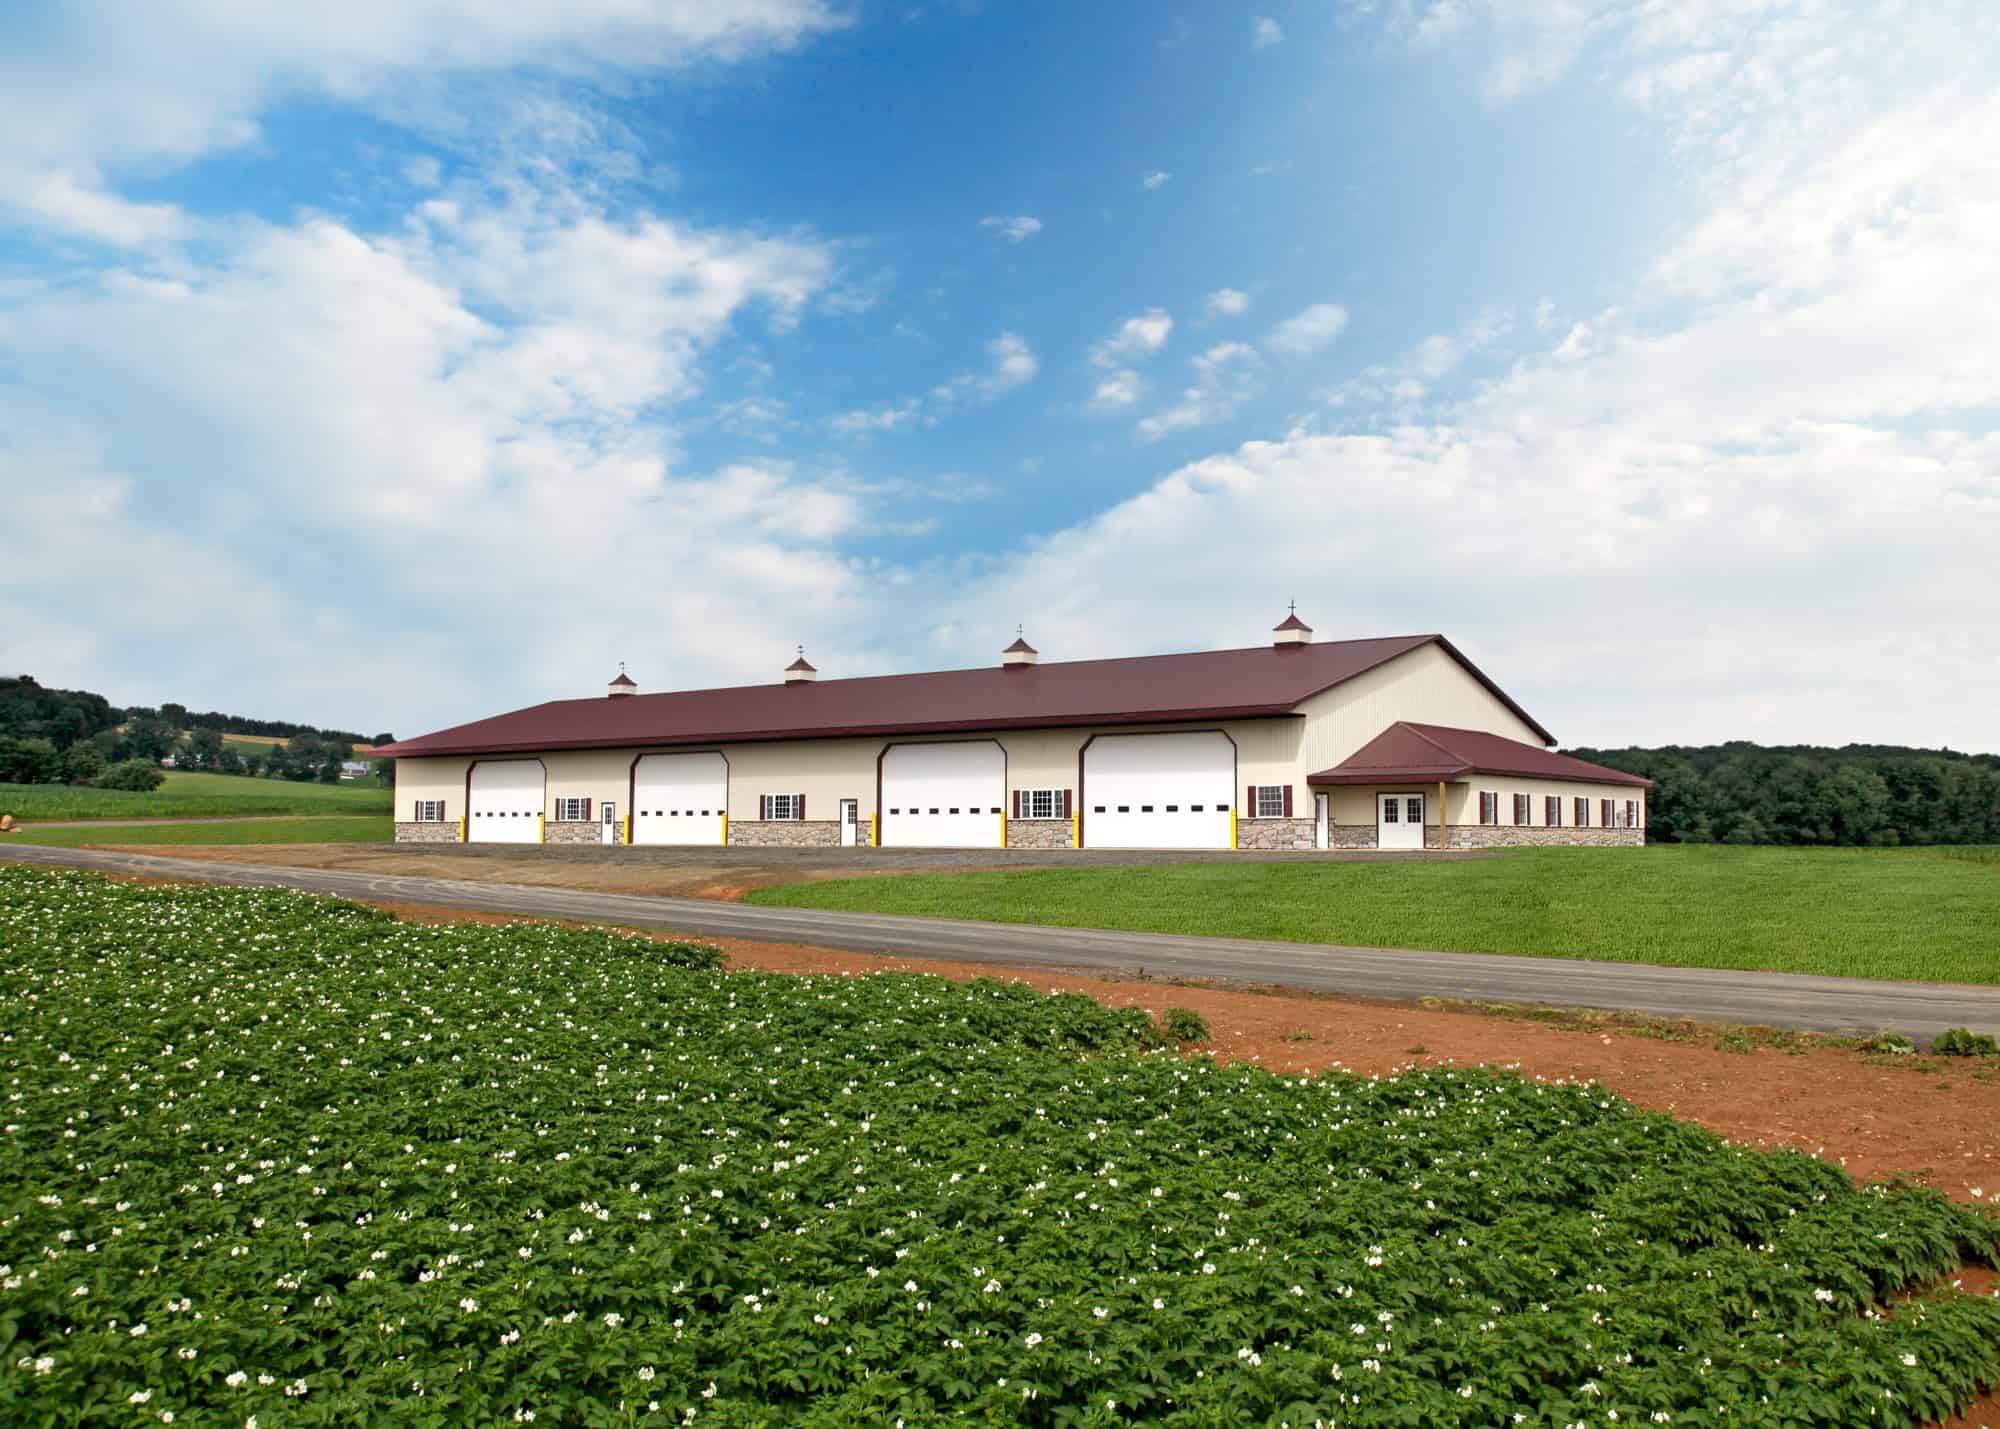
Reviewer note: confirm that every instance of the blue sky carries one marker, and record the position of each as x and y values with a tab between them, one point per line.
396	366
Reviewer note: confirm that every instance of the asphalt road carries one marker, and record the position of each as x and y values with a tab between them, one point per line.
1826	1004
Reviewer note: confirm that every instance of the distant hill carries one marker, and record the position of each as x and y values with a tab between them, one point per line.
1858	794
29	710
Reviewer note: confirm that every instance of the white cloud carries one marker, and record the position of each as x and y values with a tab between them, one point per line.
423	172
1018	229
1308	330
58	199
1156	179
1136	338
1226	303
1265	33
1117	391
1225	377
96	91
1011	363
877	419
1399	387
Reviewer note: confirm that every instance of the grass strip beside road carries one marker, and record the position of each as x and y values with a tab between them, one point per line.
189	795
1903	914
331	829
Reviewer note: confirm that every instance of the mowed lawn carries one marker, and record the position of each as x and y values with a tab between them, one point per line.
1908	914
333	829
188	795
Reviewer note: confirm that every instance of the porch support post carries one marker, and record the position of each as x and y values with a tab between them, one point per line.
1441	844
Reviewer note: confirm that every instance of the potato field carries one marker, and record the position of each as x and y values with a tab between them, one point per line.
275	1160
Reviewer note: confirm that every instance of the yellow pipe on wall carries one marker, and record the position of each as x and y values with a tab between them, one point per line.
1003	831
1232	828
1076	829
725	826
874	828
628	829
541	828
461	828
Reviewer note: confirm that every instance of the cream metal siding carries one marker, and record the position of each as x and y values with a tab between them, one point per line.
1423	686
1463	799
435	776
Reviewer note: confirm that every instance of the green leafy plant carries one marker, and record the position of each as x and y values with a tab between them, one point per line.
1891	1041
1964	1042
1184	1024
274	1157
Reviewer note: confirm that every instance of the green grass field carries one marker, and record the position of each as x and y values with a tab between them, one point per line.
331	829
1908	914
188	795
278	1160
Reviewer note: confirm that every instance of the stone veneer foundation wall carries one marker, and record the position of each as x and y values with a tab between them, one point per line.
576	831
1040	833
1511	836
784	833
414	833
1274	833
1350	836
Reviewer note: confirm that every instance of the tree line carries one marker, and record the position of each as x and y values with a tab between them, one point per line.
51	736
1860	795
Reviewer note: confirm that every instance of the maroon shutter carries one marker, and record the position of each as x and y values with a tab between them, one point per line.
440	811
799	807
763	806
1288	801
586	811
1017	803
1249	801
1066	804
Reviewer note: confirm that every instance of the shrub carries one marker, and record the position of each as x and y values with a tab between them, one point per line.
1889	1040
1184	1024
1964	1042
139	775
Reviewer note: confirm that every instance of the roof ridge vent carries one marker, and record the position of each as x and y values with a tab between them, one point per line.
1020	653
1291	630
800	671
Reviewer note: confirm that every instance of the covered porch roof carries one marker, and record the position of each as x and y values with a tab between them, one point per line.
1407	753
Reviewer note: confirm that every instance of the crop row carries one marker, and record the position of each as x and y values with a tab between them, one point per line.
287	1160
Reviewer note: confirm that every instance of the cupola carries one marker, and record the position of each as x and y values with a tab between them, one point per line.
1020	653
622	683
1291	630
800	671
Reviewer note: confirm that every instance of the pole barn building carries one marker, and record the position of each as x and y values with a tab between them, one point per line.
1397	743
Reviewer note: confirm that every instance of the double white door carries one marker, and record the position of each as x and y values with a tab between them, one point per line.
1399	821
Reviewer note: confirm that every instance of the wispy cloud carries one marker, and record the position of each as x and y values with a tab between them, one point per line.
876	419
1307	331
1011	363
1137	337
1156	179
1265	33
1226	303
1225	377
1018	229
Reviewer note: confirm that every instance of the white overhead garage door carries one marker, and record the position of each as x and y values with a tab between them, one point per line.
1158	790
943	795
679	799
506	806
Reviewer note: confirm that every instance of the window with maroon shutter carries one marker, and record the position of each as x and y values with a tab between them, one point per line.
1250	801
1288	801
430	811
1631	813
1583	813
764	806
1523	810
798	806
1067	805
1489	807
1017	803
1605	815
1552	811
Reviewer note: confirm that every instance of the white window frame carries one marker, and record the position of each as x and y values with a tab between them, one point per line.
1484	806
572	810
430	811
1581	810
1524	811
1270	802
1552	803
784	808
1041	803
1631	813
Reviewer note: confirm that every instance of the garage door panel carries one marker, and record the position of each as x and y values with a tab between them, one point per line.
947	795
679	799
1158	790
505	804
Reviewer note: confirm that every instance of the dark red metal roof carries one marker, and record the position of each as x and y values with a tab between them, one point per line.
1406	753
1261	681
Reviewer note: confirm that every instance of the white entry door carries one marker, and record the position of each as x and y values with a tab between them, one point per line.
1321	818
506	803
1399	821
947	795
679	798
1158	790
611	830
850	822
